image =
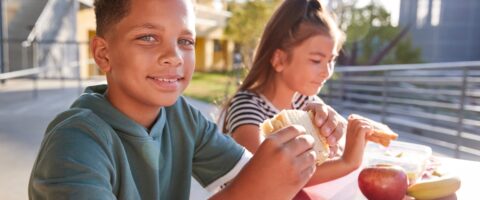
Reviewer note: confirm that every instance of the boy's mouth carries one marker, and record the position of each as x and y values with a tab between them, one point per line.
168	80
166	83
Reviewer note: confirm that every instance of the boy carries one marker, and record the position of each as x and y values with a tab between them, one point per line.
136	139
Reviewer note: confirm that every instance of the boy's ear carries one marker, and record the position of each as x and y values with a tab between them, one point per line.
278	60
99	49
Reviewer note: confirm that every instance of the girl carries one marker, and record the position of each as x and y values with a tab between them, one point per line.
295	57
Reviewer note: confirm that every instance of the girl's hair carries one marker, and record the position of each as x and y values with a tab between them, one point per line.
291	24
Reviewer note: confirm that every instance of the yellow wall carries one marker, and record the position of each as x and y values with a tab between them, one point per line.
85	31
200	54
208	58
218	55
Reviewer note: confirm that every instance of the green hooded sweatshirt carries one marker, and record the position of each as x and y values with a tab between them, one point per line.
93	151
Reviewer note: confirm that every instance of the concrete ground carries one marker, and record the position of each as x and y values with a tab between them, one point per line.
23	120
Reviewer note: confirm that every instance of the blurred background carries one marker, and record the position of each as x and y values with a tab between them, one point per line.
411	64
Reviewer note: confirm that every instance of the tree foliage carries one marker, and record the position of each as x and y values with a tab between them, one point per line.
371	39
247	22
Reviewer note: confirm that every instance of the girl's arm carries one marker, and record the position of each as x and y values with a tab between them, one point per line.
249	136
331	170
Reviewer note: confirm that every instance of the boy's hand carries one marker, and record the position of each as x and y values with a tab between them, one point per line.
332	125
291	150
281	166
358	130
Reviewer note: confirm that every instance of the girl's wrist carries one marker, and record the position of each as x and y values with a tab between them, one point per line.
350	163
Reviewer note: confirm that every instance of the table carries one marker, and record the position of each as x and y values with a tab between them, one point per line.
346	188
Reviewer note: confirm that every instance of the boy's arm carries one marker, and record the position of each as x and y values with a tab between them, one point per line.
282	165
71	165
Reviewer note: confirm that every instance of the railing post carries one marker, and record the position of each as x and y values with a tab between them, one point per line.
79	68
35	65
64	63
384	96
35	86
24	56
342	89
461	112
2	66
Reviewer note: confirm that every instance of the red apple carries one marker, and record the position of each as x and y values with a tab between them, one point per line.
383	181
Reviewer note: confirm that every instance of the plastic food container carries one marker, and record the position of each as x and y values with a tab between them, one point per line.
411	157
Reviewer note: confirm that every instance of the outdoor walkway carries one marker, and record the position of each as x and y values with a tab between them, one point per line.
23	120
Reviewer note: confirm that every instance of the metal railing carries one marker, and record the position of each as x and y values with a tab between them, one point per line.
42	59
436	103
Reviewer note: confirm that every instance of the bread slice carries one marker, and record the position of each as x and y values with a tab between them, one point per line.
382	134
302	118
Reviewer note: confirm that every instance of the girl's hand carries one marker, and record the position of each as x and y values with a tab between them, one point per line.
332	125
358	130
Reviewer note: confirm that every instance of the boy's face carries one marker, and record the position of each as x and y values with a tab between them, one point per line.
149	54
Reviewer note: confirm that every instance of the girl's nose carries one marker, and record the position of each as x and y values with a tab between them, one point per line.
329	72
326	71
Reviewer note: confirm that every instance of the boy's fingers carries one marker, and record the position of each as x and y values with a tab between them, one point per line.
307	159
288	133
299	144
308	172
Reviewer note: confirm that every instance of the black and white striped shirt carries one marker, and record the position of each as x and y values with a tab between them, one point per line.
251	108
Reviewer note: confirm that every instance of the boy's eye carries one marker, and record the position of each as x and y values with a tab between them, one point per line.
147	38
185	42
316	61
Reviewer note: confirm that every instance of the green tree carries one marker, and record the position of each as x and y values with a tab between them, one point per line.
371	39
246	24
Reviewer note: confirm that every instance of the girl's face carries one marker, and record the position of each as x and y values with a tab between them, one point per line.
311	64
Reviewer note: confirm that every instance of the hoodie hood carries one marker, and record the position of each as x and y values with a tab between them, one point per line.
94	100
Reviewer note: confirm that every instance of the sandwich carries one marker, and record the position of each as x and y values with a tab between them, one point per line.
382	134
303	118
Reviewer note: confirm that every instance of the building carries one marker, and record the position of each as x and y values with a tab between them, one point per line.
55	34
445	30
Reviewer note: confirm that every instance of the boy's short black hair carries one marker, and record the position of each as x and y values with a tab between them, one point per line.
109	12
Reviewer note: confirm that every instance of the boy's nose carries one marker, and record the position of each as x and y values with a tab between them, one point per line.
172	61
171	58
